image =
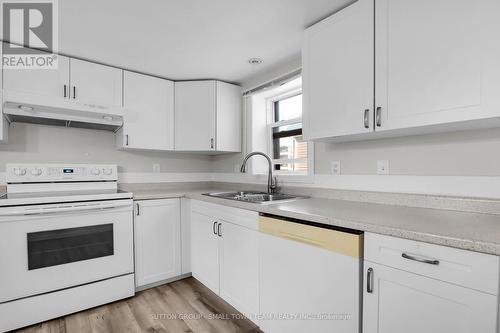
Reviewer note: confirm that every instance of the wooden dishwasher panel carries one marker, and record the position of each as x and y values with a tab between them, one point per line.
346	243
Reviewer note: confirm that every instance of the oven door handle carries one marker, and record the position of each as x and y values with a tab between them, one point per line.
65	209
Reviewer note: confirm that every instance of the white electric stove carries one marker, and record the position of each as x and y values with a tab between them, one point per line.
66	241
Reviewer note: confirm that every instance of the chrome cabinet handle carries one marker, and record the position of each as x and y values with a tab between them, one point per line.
138	209
212	143
126	139
214	228
74	92
219	230
378	116
65	91
369	280
366	118
422	260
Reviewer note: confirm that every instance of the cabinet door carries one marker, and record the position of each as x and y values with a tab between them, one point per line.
404	302
195	115
4	125
338	73
148	121
95	84
47	83
157	240
436	61
228	117
205	250
239	268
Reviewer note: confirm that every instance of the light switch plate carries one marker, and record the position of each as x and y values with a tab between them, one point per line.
156	168
335	167
383	167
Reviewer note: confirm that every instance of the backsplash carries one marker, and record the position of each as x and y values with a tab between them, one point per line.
49	144
463	153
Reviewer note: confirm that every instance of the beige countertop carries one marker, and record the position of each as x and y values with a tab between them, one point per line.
465	230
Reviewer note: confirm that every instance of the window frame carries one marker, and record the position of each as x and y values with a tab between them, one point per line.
299	176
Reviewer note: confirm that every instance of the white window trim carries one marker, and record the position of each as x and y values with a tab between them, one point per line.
287	176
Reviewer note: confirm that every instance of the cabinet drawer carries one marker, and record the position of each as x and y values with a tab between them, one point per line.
245	218
465	268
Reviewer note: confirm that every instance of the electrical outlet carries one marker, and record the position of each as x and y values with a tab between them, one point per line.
335	167
383	167
156	168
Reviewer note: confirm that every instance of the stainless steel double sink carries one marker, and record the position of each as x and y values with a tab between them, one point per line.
254	197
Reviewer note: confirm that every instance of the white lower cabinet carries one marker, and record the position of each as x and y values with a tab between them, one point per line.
205	250
407	302
157	237
224	253
417	287
239	267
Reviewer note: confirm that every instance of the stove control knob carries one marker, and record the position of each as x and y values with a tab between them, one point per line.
20	171
36	172
107	171
95	171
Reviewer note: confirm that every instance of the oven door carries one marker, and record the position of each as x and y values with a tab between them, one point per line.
44	248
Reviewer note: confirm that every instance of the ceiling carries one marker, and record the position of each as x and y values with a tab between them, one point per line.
189	39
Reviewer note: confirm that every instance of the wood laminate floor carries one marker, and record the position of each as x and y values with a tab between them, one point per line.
180	307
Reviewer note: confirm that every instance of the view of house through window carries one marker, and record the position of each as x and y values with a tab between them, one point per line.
289	151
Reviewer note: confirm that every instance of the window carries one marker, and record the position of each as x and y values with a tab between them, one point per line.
273	123
288	149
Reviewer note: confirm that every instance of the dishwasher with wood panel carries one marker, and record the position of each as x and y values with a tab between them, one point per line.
310	277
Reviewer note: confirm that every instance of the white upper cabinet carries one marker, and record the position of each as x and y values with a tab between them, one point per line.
74	80
228	116
437	62
148	120
49	83
207	116
95	84
434	64
157	238
195	103
338	73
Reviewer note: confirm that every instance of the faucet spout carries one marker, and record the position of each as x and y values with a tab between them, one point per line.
272	185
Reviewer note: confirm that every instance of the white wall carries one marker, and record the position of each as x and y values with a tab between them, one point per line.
466	153
50	144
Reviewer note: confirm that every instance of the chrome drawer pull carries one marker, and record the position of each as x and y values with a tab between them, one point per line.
422	260
369	280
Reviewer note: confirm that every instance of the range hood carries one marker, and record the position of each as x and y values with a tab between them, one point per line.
26	108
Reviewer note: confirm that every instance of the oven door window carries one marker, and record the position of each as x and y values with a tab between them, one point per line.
62	246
